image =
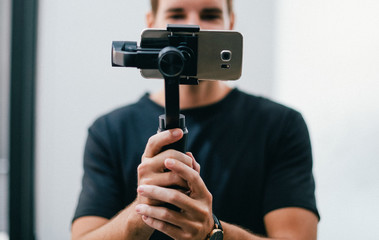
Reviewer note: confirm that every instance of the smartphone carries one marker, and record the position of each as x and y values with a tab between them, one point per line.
219	53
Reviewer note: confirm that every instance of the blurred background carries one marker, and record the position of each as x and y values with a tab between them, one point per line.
319	57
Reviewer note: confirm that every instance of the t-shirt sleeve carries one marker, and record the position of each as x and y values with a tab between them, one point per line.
101	193
290	181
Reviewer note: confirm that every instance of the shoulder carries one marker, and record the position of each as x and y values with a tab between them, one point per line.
276	123
134	115
130	111
264	108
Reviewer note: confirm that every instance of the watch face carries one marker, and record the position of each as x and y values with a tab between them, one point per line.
217	235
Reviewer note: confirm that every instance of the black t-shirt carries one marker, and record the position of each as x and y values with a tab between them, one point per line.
255	157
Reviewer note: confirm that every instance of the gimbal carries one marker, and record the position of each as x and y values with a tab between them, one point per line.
176	59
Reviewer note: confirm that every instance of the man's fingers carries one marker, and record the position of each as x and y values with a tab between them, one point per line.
195	165
167	228
161	213
156	164
194	181
159	140
167	195
166	179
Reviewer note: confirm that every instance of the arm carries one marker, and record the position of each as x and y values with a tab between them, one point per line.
128	224
292	223
282	224
195	220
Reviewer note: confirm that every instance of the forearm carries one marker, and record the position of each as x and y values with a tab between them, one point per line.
233	232
126	225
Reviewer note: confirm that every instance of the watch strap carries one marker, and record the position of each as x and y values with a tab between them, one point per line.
217	232
217	222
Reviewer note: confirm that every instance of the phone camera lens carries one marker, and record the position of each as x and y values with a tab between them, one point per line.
226	55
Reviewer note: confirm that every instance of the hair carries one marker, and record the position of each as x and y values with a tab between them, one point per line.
154	6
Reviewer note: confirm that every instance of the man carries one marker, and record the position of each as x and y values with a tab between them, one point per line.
255	157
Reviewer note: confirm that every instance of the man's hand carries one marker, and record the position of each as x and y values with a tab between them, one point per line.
195	220
128	224
152	170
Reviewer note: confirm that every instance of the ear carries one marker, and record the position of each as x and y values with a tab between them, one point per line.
232	21
149	19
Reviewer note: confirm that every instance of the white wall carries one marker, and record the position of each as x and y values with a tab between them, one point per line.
76	83
328	67
5	17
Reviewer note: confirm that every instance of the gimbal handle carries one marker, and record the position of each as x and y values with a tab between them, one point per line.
171	64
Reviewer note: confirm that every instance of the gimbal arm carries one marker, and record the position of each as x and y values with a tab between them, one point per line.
128	54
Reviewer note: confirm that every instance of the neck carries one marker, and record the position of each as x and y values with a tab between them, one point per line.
207	92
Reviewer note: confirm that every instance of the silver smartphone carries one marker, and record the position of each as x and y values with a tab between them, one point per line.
219	54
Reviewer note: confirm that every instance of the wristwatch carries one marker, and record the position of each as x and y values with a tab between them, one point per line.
217	233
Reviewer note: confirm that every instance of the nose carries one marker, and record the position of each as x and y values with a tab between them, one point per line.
193	19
